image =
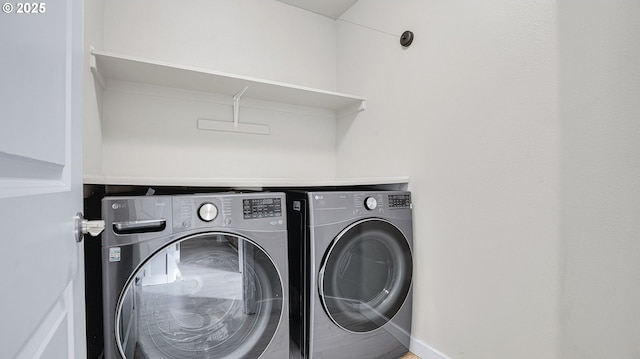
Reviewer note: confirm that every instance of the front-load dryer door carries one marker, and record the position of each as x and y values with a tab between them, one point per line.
213	295
365	275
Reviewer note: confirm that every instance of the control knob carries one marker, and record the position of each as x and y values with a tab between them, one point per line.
370	203
208	212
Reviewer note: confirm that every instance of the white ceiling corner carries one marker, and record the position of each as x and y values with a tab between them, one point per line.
330	8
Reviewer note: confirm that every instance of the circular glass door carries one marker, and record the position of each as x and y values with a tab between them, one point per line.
206	296
365	275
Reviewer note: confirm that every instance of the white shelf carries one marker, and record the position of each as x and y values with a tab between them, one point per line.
244	182
109	66
114	71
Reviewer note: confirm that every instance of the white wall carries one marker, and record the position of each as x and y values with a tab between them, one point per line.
264	39
93	23
152	132
600	218
470	112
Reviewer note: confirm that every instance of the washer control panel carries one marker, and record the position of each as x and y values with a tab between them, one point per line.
247	211
399	201
254	208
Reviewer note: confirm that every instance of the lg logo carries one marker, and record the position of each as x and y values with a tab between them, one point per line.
118	205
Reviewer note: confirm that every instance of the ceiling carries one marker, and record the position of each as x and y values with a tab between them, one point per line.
329	8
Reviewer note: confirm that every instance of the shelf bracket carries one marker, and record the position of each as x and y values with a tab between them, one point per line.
226	126
94	68
349	110
236	105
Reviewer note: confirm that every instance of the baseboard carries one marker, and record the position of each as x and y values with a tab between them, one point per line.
424	351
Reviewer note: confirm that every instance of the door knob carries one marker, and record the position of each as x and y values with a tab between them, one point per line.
84	226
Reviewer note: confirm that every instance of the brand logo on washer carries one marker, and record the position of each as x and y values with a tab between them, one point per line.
118	205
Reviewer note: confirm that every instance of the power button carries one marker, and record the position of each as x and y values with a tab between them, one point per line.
208	212
370	203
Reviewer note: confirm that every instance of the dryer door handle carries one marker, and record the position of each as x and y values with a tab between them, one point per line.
130	227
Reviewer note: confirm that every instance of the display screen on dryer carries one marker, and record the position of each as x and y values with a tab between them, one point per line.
254	208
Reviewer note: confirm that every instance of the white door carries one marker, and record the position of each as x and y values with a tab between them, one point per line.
42	300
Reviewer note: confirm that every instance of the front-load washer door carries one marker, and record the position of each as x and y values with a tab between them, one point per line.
213	295
365	275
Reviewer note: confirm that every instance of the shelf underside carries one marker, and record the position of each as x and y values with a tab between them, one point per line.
245	182
108	66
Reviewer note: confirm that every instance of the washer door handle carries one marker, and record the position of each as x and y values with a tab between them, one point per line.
149	225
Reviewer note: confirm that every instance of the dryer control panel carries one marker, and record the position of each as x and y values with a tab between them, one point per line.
332	207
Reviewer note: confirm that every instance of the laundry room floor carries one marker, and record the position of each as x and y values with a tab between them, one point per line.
409	356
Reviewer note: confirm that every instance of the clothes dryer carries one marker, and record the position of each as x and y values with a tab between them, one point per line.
195	276
351	266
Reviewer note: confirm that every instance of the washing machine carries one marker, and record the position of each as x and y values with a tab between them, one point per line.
195	276
351	266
